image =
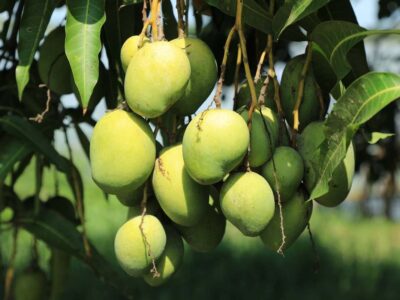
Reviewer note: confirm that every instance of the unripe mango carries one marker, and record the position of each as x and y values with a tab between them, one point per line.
156	78
214	143
122	152
207	234
244	96
247	201
31	285
296	213
130	48
289	171
262	142
339	186
170	260
182	199
131	198
203	75
132	251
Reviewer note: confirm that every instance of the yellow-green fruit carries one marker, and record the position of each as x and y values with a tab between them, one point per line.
122	152
130	247
244	96
170	260
296	214
342	178
214	143
289	171
53	66
262	142
202	77
182	199
156	78
129	49
31	285
310	108
247	201
131	198
207	234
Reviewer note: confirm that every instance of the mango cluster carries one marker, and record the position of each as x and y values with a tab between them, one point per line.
217	170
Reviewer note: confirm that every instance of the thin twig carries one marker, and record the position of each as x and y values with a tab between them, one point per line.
180	7
316	265
236	78
144	12
261	62
10	269
39	117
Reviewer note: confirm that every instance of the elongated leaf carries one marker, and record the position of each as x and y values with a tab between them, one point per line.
34	21
375	137
82	43
11	151
83	139
293	11
254	14
58	232
32	136
337	38
364	98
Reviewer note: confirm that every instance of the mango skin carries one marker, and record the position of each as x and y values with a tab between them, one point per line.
310	108
170	260
131	198
156	78
247	201
182	199
122	152
289	171
262	142
130	248
32	284
207	234
130	48
203	75
244	97
214	143
296	214
342	178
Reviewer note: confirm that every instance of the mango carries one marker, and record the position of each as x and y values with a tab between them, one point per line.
130	48
203	74
182	199
214	143
132	251
263	136
247	201
156	78
296	214
122	152
244	97
131	198
289	171
32	284
170	260
339	186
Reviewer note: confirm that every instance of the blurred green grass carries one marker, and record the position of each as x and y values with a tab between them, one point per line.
359	258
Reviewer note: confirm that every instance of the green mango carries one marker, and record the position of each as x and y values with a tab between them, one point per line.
131	249
244	97
182	199
156	78
207	234
296	214
122	152
53	66
214	143
310	108
130	48
247	201
262	142
339	186
170	260
31	284
203	75
131	198
289	168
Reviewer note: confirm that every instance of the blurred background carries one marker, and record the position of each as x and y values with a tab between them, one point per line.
356	250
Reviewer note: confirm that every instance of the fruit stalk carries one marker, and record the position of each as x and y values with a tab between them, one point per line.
10	269
155	9
236	79
181	8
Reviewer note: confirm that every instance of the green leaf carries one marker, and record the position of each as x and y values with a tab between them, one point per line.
337	38
293	11
34	22
32	136
58	232
11	152
363	99
254	14
83	139
375	137
82	43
